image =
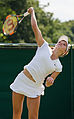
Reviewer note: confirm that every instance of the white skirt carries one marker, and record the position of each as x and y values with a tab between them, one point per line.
23	85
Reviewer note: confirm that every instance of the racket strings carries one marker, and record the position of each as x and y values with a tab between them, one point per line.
10	25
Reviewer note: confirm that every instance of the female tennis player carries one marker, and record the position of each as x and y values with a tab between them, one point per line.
30	81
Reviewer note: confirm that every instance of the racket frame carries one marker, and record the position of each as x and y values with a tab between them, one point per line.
18	21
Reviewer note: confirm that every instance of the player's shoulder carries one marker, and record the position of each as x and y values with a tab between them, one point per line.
44	44
58	65
59	62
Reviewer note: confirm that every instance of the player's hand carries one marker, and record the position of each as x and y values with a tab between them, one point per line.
30	10
49	82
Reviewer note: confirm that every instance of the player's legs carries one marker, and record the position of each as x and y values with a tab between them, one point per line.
17	100
33	107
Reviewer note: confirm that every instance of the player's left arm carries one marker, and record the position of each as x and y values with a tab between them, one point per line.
50	80
54	75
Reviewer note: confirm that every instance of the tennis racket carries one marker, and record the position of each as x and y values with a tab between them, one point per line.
11	22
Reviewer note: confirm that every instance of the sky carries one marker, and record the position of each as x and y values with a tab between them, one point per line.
62	9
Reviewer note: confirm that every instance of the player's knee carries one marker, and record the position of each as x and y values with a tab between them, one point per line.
17	111
33	116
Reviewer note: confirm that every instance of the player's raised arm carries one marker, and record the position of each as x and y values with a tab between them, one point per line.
37	32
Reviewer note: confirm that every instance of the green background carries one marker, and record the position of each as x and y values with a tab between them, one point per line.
58	99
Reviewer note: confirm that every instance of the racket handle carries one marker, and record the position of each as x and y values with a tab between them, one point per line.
26	14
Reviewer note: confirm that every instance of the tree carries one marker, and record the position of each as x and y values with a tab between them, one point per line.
51	28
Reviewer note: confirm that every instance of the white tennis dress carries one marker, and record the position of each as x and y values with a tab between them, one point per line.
40	66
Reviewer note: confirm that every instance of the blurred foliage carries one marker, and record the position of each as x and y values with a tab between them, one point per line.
51	28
